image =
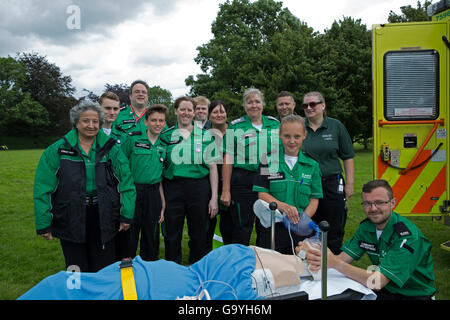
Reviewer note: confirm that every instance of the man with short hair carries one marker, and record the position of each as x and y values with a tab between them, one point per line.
131	120
146	154
201	112
397	247
285	104
110	103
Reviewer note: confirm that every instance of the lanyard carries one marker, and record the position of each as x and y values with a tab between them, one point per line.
134	114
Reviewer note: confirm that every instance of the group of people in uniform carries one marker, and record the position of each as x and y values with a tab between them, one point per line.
121	177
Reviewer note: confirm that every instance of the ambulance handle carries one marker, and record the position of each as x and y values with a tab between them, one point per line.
444	38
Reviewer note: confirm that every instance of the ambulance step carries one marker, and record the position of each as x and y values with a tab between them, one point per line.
446	246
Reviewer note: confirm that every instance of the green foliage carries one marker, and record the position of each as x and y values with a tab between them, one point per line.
262	44
344	63
410	14
257	44
47	85
19	113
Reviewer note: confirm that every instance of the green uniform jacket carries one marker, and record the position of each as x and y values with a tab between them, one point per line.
146	159
247	144
327	144
126	124
294	187
48	185
188	158
402	254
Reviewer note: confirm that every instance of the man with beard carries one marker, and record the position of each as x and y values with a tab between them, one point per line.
398	250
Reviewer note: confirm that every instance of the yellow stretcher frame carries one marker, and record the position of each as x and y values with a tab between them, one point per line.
127	278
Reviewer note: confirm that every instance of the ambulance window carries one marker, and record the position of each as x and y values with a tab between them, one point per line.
411	85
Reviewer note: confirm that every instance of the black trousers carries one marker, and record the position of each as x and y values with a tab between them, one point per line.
241	210
186	199
332	208
383	294
145	222
224	226
92	255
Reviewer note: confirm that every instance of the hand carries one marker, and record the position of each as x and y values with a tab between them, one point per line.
47	236
161	217
313	255
213	207
291	212
348	190
225	198
124	226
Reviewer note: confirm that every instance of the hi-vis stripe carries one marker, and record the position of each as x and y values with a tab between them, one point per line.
419	190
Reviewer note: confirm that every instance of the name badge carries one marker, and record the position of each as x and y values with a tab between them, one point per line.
368	246
142	145
66	152
276	176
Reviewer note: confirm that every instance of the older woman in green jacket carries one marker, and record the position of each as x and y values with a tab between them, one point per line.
84	192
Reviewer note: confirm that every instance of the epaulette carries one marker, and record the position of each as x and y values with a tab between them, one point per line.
168	129
239	120
273	118
401	229
122	108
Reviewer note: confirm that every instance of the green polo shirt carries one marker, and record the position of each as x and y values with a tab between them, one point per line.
403	254
329	143
89	162
146	159
191	157
128	124
248	144
294	187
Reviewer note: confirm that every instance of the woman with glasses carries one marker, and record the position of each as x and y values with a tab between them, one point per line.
328	142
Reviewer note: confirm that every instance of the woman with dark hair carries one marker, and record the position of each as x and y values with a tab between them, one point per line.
190	183
218	118
84	192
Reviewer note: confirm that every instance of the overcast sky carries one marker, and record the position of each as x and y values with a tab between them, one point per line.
155	40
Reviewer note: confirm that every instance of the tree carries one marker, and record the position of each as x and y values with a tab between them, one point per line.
256	44
122	90
19	113
47	85
344	73
410	14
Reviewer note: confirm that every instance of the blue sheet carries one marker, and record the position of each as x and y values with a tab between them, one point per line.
225	272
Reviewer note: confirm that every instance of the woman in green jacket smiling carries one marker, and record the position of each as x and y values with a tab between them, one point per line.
84	192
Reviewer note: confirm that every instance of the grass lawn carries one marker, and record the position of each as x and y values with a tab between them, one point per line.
26	258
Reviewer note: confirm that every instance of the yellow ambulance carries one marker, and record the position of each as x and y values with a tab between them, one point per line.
411	93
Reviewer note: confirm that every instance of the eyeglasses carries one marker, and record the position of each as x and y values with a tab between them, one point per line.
377	203
312	104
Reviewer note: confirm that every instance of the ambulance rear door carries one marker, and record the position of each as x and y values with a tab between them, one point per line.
411	114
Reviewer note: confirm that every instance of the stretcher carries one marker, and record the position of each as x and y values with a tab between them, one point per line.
226	273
